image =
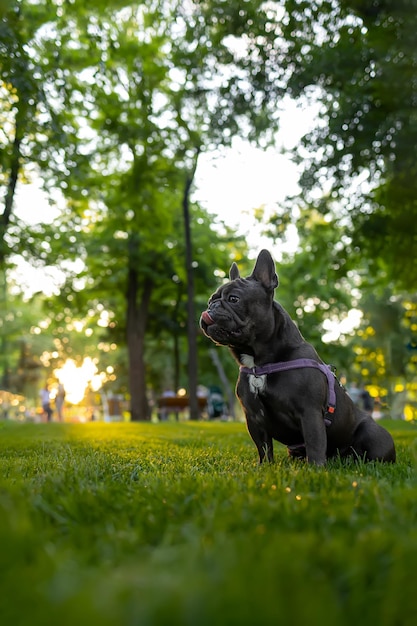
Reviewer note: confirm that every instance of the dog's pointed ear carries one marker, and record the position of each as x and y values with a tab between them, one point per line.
234	272
264	270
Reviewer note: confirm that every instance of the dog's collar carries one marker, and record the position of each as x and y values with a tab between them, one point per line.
272	368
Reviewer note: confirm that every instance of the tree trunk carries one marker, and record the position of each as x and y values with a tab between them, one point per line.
176	362
230	394
15	164
191	317
136	327
176	339
4	349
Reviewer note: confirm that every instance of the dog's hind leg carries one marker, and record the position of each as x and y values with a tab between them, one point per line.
373	443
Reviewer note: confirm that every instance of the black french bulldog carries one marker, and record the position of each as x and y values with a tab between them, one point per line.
286	391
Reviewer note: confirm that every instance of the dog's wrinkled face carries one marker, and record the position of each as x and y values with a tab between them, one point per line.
226	320
236	312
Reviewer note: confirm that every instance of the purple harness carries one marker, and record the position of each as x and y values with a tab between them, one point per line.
272	368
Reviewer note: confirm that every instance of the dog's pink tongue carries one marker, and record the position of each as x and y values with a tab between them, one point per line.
206	318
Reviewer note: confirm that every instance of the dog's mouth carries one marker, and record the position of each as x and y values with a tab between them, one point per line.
207	321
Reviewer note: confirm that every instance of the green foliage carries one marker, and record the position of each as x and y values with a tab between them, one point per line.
324	280
318	284
175	523
110	103
359	62
384	343
22	343
127	96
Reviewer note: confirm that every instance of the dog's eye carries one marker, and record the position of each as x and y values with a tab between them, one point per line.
233	299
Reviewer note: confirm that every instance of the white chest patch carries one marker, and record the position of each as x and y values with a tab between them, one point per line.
257	384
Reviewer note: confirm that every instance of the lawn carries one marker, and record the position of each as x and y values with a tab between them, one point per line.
165	524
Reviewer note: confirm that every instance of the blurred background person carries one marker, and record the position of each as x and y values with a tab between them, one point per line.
59	401
46	403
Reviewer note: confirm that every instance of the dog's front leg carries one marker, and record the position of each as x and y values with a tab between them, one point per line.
262	440
315	437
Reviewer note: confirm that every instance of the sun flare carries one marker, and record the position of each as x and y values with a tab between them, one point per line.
76	379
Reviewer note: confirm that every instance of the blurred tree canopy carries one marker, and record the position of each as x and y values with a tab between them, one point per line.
359	61
110	104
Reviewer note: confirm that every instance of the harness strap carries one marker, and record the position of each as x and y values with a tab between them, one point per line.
272	368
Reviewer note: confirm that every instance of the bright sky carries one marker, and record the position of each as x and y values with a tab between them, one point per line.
233	182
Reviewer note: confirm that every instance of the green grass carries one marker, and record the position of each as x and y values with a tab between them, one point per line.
165	524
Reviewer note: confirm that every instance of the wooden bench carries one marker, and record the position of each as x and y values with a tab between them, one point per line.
177	405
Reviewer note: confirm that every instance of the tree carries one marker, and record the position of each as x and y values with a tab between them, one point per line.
191	332
19	94
384	343
359	62
22	343
148	88
318	283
